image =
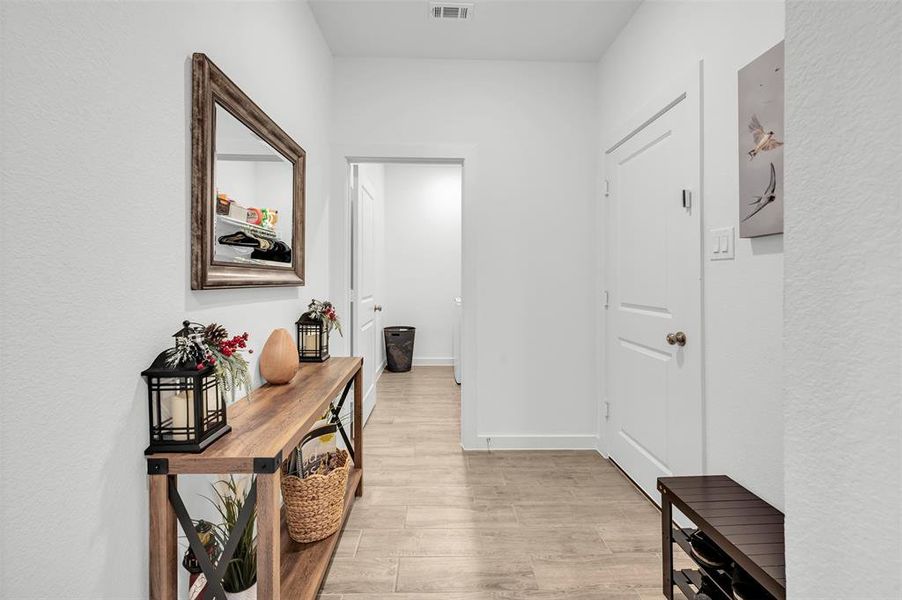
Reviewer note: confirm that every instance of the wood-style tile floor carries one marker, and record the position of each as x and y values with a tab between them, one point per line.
437	523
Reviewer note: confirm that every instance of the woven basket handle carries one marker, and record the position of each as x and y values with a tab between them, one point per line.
296	463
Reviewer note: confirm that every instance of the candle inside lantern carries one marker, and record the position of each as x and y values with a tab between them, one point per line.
182	409
311	342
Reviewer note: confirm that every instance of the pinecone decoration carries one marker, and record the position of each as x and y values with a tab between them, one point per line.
214	333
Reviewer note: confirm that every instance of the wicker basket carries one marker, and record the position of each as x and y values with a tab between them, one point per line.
314	506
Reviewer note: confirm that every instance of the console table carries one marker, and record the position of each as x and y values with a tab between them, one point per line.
264	431
742	525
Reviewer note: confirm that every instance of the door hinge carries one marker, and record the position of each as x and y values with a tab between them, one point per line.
606	299
607	410
687	199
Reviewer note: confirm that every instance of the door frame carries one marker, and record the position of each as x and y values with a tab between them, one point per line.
340	243
689	86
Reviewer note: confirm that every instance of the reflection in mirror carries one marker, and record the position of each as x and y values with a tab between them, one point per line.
253	197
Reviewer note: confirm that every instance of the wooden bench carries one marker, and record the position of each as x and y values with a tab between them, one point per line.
742	525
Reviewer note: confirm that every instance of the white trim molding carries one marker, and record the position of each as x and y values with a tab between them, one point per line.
433	361
502	441
600	446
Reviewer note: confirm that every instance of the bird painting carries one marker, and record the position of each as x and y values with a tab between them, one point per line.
769	195
764	141
760	100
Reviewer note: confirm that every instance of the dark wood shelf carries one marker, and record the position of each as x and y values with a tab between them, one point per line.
304	566
690	580
682	581
742	525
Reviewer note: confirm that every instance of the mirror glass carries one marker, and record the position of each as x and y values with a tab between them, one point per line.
253	182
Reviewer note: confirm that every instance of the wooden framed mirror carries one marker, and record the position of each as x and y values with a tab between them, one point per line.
247	189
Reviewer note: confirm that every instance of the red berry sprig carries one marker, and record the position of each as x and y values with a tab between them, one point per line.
226	348
233	345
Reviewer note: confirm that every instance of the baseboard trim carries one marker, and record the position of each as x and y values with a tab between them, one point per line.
369	403
534	442
432	362
599	446
632	481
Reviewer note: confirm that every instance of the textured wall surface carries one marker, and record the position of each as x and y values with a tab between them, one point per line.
95	178
843	367
743	297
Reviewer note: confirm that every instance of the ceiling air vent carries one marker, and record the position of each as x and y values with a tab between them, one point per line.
451	11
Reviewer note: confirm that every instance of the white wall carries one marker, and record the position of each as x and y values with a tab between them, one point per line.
96	164
743	298
526	222
843	369
422	255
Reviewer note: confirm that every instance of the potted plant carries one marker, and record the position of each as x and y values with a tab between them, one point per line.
240	580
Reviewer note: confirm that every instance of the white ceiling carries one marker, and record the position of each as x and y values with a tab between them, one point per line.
556	30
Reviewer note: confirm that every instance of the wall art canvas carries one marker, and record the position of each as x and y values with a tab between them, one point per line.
761	145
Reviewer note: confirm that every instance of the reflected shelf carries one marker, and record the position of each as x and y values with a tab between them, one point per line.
254	229
260	262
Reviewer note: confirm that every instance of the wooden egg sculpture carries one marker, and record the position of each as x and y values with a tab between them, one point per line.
279	359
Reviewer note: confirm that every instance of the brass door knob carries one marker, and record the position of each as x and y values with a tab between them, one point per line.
676	339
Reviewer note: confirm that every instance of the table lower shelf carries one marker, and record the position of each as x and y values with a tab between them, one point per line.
304	566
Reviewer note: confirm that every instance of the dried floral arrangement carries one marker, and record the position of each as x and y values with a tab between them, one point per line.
325	312
211	345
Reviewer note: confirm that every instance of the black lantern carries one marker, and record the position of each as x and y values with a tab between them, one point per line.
187	412
207	536
313	339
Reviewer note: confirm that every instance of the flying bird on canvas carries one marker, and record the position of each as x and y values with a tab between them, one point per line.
764	140
770	194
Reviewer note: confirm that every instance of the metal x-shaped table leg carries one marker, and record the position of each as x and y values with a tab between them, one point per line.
214	574
336	410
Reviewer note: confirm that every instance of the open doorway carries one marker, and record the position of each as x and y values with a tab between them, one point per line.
405	263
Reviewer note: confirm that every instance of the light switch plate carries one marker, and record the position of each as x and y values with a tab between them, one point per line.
721	243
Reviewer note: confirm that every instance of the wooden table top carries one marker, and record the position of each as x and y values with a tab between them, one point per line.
743	525
270	421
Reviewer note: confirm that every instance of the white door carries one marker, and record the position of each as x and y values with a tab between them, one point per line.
365	334
653	277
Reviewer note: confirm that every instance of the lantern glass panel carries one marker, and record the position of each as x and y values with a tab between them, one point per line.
172	405
186	410
313	341
213	405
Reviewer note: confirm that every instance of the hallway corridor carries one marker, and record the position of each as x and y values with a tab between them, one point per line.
436	523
